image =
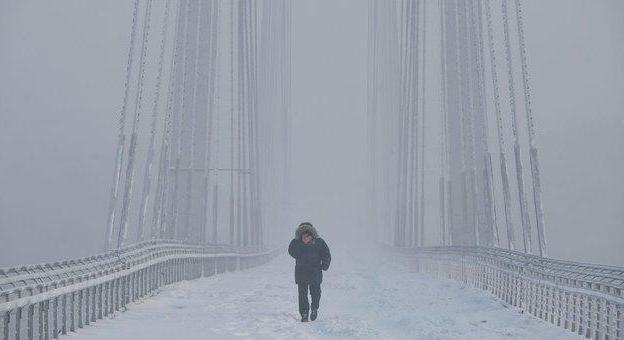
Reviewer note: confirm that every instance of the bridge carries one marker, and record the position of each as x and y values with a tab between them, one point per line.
201	190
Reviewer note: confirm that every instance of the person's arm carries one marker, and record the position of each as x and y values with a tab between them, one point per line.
293	248
325	256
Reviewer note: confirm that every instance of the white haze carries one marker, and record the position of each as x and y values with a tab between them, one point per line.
61	80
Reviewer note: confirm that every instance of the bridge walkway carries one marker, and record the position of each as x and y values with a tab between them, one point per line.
370	296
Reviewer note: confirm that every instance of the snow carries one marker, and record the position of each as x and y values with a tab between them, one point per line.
366	297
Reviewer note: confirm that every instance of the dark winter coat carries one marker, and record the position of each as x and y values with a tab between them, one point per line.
311	258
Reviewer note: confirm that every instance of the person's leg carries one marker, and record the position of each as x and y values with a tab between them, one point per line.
304	305
315	291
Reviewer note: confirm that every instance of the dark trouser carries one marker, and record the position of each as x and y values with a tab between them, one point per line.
315	291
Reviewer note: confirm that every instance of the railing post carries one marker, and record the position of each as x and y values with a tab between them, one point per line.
168	273
64	314
80	300
55	329
619	314
30	322
611	320
120	283
46	320
99	301
132	284
146	280
93	303
72	316
40	319
135	280
127	286
18	323
104	291
87	300
144	275
6	319
115	295
138	278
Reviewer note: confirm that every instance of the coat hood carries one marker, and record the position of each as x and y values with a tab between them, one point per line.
306	227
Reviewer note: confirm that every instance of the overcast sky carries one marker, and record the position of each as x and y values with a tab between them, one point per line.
61	81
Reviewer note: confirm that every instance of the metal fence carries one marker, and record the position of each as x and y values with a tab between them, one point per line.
49	300
584	298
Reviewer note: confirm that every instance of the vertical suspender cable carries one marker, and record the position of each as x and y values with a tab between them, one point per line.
240	106
413	101
535	172
147	176
499	129
244	116
188	232
524	215
415	169
469	190
160	197
258	225
473	95
162	193
461	109
371	108
212	122
488	175
412	135
121	139
180	121
232	102
442	190
399	237
421	233
129	176
206	95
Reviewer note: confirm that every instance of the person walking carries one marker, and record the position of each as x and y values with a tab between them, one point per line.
312	256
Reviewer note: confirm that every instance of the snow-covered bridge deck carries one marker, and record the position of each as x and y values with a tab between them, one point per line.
364	296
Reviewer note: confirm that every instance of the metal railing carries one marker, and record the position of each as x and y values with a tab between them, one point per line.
586	299
48	300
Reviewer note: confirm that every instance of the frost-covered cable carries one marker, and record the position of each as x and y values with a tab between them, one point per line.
232	113
213	120
533	154
181	117
187	234
121	139
163	168
421	234
164	198
488	175
147	175
524	214
129	175
499	130
443	151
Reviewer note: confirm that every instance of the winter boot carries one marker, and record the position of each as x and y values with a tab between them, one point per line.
314	314
304	317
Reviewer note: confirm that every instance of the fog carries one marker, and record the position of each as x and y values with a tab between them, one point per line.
62	70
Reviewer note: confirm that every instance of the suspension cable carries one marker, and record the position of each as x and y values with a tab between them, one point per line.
160	197
499	129
524	215
491	214
535	172
121	139
421	236
129	176
443	114
147	176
